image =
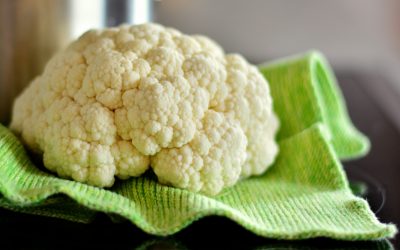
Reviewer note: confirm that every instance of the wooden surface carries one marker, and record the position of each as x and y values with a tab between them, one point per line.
30	32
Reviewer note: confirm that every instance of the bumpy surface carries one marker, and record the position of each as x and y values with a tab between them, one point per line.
117	99
211	161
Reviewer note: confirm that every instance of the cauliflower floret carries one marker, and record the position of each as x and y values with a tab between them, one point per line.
211	161
121	98
75	140
129	161
161	114
250	103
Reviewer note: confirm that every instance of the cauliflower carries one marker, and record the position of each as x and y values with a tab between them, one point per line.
121	100
209	162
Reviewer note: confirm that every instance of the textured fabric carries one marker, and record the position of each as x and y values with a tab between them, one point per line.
305	92
304	195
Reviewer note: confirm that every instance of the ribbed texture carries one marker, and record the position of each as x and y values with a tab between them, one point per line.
304	195
305	92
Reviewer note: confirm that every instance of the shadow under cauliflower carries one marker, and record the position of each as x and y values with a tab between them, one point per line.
121	98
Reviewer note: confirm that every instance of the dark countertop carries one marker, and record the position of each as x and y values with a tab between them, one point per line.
380	171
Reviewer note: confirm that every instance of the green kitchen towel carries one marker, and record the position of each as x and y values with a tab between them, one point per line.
305	92
304	195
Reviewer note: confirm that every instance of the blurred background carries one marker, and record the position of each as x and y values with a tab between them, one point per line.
352	33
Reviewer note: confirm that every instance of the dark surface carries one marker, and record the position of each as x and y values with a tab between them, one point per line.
379	172
380	169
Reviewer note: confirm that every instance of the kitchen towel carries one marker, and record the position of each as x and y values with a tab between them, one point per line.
305	92
305	194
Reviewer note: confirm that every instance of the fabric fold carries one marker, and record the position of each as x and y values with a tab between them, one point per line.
305	92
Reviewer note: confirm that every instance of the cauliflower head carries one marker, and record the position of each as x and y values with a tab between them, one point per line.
119	101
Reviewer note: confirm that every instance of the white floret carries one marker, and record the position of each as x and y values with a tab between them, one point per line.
250	103
129	161
161	114
210	162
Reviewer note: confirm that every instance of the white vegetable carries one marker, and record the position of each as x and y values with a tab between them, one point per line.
117	99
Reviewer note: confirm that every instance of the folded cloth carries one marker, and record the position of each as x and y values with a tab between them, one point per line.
304	195
305	92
